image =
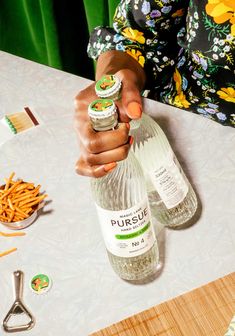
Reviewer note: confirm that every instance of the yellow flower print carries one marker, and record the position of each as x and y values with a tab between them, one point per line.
134	35
227	94
179	12
137	55
222	11
178	80
181	101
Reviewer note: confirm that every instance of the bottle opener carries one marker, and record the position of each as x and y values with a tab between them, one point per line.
18	307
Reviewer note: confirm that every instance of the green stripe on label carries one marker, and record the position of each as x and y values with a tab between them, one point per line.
134	234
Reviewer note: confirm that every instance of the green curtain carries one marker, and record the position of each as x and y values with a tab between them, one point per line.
99	12
53	32
28	29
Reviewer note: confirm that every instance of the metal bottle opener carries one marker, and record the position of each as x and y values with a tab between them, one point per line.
18	307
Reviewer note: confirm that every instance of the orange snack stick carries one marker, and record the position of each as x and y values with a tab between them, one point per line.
10	189
8	181
18	199
8	252
33	201
14	234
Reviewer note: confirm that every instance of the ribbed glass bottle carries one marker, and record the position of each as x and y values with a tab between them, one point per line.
124	214
171	196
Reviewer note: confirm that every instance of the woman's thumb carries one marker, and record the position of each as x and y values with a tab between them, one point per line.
134	110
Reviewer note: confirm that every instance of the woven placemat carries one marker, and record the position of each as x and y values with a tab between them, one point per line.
205	311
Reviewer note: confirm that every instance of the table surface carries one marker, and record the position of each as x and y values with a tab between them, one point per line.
66	243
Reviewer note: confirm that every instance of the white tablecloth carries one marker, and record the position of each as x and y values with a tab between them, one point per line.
66	243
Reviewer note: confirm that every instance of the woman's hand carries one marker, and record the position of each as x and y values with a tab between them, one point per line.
100	151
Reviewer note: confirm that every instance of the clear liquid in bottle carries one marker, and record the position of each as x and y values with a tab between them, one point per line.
124	214
171	196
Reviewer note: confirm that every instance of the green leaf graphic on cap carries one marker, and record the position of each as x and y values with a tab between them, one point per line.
101	104
105	83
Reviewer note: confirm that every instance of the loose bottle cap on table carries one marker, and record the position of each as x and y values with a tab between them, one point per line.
108	87
40	283
101	108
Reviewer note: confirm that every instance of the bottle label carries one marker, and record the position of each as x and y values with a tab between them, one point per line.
169	182
127	233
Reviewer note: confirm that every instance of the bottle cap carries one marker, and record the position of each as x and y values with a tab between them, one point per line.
108	86
101	108
40	283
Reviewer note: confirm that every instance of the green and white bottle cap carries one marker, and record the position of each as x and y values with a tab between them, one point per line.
101	108
108	86
40	283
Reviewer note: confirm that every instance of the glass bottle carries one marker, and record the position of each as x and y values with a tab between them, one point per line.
123	209
172	198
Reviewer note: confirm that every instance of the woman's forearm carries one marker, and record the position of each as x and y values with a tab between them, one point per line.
112	61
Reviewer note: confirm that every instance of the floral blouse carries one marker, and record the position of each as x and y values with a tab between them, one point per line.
187	49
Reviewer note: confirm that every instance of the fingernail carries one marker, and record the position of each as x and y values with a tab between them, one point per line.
127	125
131	139
134	110
109	166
